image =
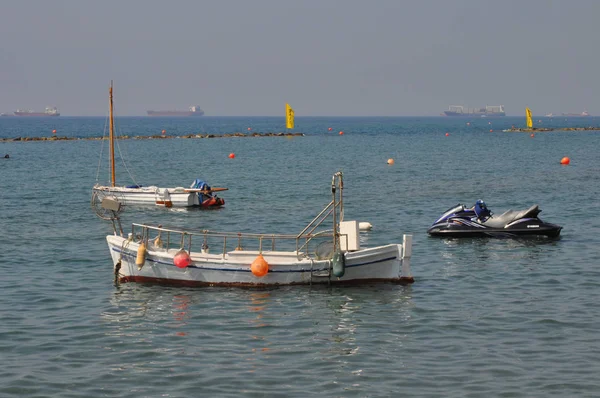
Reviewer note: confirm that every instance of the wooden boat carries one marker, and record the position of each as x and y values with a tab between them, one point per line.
175	256
199	194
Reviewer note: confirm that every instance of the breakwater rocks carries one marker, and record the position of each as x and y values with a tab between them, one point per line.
542	129
153	137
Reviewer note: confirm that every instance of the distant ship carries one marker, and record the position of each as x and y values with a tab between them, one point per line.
193	111
50	111
488	111
582	114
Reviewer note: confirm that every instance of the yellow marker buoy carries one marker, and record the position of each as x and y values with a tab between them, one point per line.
140	259
390	161
259	266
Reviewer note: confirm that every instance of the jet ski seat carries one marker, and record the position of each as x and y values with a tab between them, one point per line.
511	215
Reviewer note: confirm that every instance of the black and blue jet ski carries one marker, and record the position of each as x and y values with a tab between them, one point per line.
478	221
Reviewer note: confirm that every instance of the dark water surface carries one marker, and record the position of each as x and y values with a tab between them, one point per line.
485	317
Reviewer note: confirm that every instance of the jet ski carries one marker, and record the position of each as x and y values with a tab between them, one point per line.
478	221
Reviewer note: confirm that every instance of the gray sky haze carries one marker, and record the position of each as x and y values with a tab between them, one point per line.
324	57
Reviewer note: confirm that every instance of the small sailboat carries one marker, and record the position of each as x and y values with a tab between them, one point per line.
198	194
322	253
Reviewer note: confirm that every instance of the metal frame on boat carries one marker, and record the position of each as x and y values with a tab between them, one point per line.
175	256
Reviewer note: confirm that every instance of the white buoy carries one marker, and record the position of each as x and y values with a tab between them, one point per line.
365	226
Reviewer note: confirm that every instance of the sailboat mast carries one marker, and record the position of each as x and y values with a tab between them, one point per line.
111	136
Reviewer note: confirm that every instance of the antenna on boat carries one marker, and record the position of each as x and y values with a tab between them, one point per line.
111	135
338	205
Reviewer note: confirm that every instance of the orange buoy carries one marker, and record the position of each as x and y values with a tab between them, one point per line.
565	160
53	131
329	129
532	135
341	133
163	132
447	134
491	131
390	161
249	128
231	155
182	259
259	266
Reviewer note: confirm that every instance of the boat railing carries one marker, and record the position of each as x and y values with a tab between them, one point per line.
158	237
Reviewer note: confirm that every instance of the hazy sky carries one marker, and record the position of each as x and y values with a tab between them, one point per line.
324	57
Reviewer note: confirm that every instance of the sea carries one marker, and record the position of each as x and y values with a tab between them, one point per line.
484	318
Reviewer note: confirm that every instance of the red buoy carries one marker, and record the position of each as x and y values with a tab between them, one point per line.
163	132
565	160
329	129
53	131
341	133
231	155
182	259
447	134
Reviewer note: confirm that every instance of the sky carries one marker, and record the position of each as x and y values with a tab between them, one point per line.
323	57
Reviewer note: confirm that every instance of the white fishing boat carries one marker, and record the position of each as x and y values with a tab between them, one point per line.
199	193
317	255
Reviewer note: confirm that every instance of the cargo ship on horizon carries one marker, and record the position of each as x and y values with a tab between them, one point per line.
582	114
193	111
50	111
488	111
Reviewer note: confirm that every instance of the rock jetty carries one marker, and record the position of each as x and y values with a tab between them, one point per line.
153	137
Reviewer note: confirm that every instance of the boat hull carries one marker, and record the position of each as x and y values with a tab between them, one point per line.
174	113
167	197
456	230
390	263
475	114
36	114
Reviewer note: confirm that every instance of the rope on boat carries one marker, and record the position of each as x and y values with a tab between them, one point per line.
124	246
101	151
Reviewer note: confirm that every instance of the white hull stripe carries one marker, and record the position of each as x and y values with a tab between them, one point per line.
133	256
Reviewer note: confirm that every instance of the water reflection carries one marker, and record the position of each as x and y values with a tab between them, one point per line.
347	313
486	251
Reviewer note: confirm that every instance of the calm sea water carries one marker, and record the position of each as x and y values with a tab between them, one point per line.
485	317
